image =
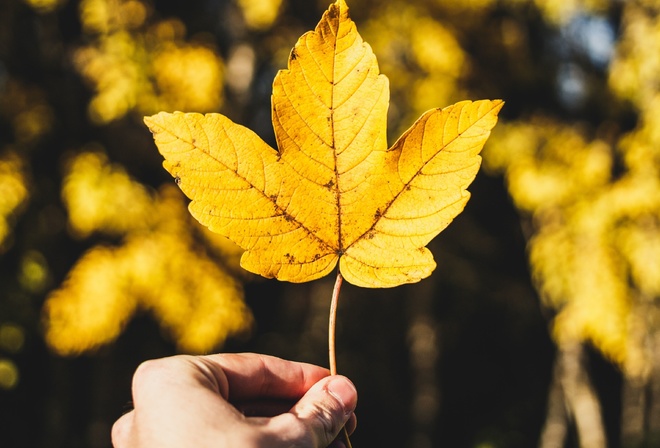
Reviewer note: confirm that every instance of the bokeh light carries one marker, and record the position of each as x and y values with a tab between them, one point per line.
12	337
9	375
13	194
260	14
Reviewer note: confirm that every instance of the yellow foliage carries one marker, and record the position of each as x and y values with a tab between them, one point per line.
93	305
197	302
334	192
596	251
596	248
44	6
13	193
108	16
472	6
579	274
641	147
634	71
136	67
559	12
640	245
423	59
260	14
26	108
195	71
102	197
117	75
435	48
548	164
157	267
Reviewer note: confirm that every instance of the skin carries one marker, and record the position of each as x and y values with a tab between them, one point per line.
230	400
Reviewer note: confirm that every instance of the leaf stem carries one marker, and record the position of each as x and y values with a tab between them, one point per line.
332	352
332	324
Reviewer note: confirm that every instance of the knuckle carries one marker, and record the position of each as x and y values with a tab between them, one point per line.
148	371
330	424
152	373
120	432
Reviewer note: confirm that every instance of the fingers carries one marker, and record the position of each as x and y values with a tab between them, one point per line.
181	396
121	430
323	411
252	376
177	398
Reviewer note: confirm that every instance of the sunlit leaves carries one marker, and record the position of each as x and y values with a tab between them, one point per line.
634	72
76	323
594	252
424	64
109	16
26	108
595	249
101	197
547	164
640	244
260	14
150	272
135	64
45	6
13	193
152	269
187	77
561	11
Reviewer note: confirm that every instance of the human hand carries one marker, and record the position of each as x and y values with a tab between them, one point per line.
235	400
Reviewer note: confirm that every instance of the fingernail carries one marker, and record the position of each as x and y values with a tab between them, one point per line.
343	390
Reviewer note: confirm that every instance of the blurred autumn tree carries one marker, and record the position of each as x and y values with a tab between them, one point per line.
96	242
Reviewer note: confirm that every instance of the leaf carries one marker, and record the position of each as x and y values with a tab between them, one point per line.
333	192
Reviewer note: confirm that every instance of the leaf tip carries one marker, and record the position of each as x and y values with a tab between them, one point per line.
147	119
152	120
498	103
337	9
340	4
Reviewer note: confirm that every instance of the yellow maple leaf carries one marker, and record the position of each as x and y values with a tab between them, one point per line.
333	192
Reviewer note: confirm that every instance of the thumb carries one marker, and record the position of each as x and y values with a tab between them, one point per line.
325	409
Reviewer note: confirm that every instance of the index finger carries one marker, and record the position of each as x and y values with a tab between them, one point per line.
253	376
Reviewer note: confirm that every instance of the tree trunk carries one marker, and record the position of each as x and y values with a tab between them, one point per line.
572	400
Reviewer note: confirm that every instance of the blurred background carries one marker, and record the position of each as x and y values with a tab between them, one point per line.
540	326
